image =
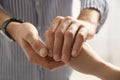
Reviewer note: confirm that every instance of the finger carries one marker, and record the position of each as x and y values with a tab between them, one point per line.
32	56
68	41
59	38
37	44
52	64
80	38
50	34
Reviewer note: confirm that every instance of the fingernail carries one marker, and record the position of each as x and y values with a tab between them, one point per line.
43	52
65	58
57	58
74	53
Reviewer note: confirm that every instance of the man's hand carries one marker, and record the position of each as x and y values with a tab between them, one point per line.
65	37
26	35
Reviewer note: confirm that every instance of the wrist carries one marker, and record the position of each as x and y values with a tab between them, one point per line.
4	26
12	29
90	15
107	71
112	72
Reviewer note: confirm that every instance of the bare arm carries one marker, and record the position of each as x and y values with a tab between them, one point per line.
90	63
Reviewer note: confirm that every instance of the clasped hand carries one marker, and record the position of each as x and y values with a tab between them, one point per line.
64	39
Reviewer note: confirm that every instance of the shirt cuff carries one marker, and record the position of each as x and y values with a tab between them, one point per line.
100	5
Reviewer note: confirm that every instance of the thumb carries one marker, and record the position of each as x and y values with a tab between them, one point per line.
38	45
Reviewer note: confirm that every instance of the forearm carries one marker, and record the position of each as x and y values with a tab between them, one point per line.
98	5
90	15
108	71
3	16
88	62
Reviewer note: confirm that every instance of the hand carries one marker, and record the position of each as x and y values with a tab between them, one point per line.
65	37
50	64
27	37
89	62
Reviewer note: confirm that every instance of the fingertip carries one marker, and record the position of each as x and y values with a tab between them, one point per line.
50	54
65	58
43	52
56	58
74	53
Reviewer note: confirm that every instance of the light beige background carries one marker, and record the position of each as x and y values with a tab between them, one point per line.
107	41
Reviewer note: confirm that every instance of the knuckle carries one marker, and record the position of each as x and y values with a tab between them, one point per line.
59	33
49	33
69	34
68	17
80	36
90	36
59	17
74	22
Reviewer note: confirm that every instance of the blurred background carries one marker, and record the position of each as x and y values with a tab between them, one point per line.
107	41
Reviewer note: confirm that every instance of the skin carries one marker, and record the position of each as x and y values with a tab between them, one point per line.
73	31
30	42
89	62
66	35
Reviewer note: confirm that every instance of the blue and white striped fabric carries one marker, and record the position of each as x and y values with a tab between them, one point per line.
13	63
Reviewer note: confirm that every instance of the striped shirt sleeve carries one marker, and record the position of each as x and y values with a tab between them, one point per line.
1	8
100	5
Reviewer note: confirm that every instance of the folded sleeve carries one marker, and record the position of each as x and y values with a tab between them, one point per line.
100	5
